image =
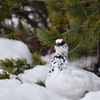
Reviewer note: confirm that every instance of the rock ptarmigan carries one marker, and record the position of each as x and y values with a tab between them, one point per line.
69	81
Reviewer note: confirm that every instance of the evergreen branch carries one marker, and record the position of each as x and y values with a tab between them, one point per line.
41	83
74	49
14	66
98	48
4	75
87	2
39	0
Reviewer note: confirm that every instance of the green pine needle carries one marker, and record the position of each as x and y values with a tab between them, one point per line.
36	59
41	83
14	66
48	37
4	75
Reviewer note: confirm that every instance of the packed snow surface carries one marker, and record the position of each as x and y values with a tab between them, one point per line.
14	49
26	89
12	89
92	96
35	75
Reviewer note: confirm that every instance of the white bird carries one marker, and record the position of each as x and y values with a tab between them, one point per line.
69	81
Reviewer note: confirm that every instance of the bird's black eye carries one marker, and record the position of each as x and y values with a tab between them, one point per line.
57	44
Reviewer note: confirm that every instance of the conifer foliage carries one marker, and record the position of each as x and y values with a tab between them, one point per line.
14	66
77	21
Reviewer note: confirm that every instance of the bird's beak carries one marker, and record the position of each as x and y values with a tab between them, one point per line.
57	44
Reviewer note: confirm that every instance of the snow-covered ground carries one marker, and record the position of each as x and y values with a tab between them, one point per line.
34	75
12	89
27	89
14	49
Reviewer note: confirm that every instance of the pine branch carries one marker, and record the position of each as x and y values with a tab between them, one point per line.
39	0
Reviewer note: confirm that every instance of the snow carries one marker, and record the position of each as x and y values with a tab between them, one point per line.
92	96
9	83
12	89
14	49
26	89
1	71
84	62
35	75
47	58
38	73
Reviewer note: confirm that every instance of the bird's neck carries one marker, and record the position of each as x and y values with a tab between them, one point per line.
62	53
62	56
59	62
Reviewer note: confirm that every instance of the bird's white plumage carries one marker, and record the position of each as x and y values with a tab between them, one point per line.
58	41
67	80
61	49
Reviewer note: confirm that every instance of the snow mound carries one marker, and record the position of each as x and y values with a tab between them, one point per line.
84	62
47	58
9	83
14	49
39	73
13	90
1	71
92	96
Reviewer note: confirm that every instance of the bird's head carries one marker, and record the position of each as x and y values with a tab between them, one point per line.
61	46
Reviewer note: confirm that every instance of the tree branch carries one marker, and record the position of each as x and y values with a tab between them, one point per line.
74	48
6	28
66	32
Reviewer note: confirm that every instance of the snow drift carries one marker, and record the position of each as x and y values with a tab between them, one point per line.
14	49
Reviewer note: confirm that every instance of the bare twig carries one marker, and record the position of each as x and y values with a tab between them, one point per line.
74	48
66	32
